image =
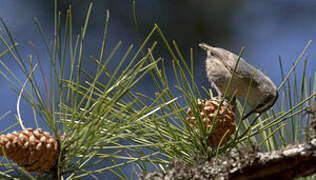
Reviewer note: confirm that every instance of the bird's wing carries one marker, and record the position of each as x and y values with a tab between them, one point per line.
243	69
229	59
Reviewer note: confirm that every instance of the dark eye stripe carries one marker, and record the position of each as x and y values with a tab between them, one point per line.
260	106
270	97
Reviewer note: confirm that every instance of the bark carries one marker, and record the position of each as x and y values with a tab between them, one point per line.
295	160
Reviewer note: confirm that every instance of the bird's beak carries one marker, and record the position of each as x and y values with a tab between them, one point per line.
248	114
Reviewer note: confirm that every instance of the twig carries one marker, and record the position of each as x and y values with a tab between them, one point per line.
20	95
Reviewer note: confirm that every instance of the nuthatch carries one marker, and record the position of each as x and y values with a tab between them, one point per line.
220	65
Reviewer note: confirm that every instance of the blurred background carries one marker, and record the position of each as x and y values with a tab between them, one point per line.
266	29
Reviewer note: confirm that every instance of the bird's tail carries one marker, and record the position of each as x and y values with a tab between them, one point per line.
205	46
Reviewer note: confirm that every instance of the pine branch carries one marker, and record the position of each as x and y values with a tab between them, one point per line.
293	161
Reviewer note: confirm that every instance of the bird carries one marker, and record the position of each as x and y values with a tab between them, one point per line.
221	66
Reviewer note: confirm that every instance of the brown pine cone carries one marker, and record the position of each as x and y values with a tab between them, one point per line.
35	151
225	119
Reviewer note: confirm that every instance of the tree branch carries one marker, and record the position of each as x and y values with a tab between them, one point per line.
293	161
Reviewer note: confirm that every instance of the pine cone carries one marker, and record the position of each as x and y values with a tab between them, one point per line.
225	119
35	151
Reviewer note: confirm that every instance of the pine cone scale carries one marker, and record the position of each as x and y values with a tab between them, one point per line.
224	121
35	151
